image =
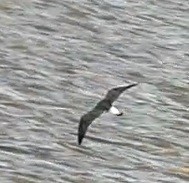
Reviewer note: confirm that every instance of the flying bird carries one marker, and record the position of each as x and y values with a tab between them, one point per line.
102	106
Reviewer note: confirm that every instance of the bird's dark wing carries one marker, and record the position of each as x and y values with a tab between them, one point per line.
88	118
114	93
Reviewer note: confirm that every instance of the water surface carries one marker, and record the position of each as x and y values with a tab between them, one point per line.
59	58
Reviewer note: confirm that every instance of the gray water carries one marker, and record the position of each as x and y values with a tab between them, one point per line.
58	58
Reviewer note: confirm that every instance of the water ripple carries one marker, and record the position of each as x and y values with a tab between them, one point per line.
58	59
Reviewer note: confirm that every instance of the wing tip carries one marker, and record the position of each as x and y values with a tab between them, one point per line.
81	133
80	139
132	85
135	84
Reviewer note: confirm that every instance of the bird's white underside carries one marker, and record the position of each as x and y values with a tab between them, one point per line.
114	110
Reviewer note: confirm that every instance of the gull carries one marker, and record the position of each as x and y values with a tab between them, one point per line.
102	106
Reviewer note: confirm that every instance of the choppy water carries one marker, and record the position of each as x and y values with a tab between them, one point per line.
58	58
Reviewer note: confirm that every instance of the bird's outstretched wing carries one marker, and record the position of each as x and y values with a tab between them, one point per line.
103	105
114	93
89	117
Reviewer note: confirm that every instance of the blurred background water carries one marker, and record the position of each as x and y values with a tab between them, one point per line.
58	58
